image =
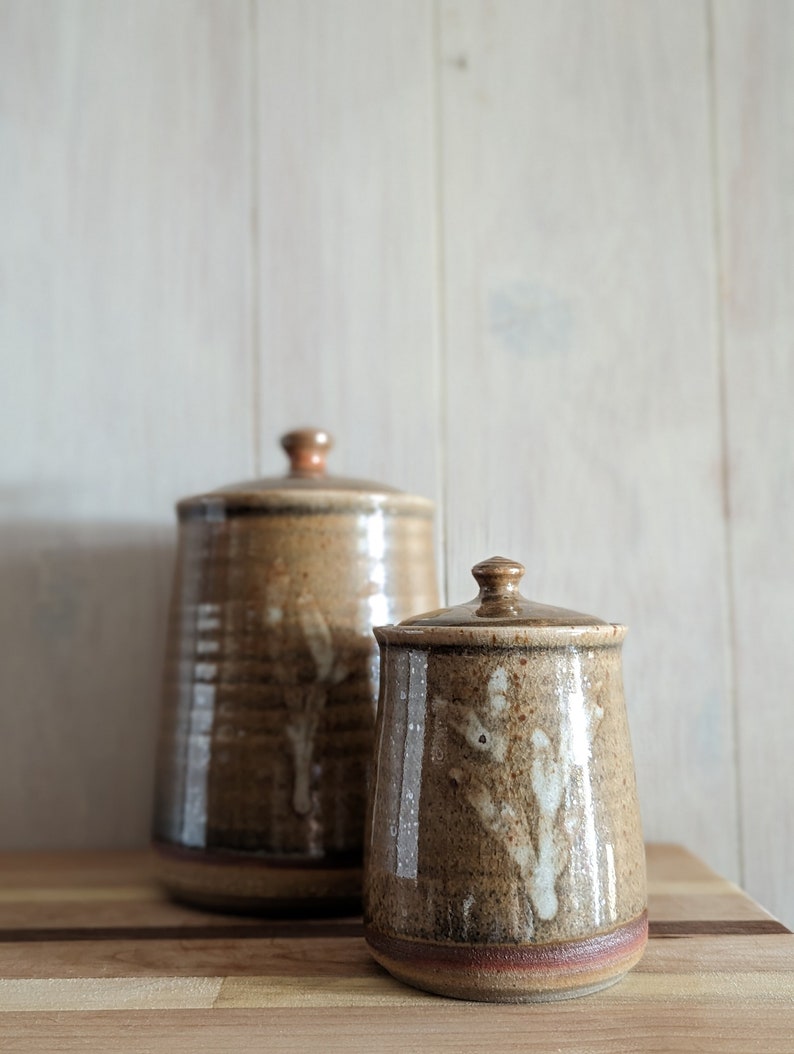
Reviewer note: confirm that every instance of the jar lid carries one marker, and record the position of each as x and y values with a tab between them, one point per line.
501	617
499	603
307	486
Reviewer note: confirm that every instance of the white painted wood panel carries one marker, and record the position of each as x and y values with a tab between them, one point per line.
126	361
346	197
221	219
582	386
754	80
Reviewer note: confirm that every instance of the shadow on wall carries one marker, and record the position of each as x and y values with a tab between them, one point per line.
83	612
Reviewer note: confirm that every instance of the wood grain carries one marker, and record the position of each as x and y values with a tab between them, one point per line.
762	1029
706	991
126	364
754	92
583	431
346	221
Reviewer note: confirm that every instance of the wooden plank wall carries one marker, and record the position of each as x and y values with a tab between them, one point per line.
532	260
754	103
125	292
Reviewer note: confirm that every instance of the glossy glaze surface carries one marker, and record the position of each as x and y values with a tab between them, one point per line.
504	808
271	679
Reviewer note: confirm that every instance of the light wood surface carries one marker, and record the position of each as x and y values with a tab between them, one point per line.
531	260
92	956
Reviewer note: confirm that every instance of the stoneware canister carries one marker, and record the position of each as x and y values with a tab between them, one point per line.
505	858
271	681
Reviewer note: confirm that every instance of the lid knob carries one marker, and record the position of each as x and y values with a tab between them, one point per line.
307	449
498	579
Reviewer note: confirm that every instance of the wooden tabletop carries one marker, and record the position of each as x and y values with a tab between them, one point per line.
93	957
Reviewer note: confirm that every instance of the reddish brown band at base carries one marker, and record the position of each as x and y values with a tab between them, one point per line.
513	972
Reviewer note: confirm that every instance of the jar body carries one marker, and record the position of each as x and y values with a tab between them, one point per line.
270	691
505	858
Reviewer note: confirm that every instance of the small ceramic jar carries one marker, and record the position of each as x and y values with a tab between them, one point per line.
504	856
271	681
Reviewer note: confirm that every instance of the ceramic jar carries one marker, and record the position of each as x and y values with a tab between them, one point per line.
271	681
505	859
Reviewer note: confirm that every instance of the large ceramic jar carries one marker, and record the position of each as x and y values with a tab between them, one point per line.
505	858
271	681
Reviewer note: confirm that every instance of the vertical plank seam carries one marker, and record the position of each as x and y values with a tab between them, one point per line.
441	308
254	249
719	249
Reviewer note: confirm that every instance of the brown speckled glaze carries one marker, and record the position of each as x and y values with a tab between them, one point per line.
505	858
271	682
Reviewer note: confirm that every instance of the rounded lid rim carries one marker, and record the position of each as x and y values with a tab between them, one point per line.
223	501
527	635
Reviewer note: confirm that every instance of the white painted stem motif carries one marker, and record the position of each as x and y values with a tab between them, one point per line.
487	786
304	700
